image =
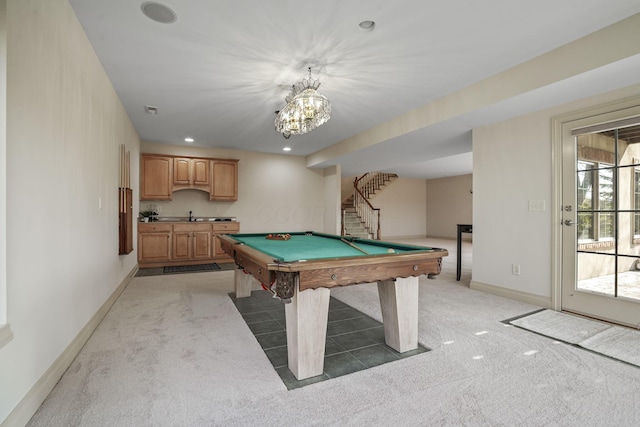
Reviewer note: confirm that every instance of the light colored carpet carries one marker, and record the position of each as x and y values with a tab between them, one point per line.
173	351
613	341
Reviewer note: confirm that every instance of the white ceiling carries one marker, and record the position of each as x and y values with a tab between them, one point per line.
223	68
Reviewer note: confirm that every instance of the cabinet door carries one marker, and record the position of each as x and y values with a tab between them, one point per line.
153	247
202	245
225	180
155	177
200	172
222	228
181	246
181	171
217	247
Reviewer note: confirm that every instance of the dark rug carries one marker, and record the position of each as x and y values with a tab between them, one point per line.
190	268
142	272
355	341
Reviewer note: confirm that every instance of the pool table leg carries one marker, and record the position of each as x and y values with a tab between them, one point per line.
306	317
399	304
243	283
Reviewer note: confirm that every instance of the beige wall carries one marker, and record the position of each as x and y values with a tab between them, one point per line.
332	201
403	205
65	124
449	202
5	332
512	164
418	208
347	187
276	193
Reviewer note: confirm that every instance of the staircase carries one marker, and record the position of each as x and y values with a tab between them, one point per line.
359	217
353	225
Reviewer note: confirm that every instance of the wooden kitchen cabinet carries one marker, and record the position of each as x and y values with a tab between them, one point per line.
181	246
154	243
191	242
224	185
182	243
181	171
191	172
161	175
202	245
222	228
155	177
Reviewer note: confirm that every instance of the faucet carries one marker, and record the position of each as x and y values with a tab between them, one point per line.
190	216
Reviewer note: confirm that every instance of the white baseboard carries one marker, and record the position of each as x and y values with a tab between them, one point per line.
465	237
541	301
412	236
30	403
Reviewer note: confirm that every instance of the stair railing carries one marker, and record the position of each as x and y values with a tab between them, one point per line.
369	215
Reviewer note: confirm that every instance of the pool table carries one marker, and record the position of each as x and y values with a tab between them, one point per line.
300	268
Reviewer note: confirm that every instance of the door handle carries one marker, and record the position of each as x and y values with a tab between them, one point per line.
569	222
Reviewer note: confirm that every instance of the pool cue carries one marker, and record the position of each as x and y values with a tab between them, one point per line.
355	246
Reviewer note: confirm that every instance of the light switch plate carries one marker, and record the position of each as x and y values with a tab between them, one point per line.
536	205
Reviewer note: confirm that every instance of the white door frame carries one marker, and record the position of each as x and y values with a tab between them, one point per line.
613	111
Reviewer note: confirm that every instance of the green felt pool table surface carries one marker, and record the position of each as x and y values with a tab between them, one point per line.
303	246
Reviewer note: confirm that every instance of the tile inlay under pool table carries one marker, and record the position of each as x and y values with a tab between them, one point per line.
354	341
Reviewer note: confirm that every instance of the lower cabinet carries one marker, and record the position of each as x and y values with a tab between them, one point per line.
191	242
182	243
223	228
154	243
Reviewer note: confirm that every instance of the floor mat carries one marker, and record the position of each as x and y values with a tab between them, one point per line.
616	342
190	268
354	341
142	272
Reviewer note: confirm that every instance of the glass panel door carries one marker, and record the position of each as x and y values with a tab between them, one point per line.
605	282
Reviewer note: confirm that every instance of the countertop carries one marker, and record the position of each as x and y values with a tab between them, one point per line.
185	219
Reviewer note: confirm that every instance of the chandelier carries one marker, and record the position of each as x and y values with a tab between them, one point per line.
306	109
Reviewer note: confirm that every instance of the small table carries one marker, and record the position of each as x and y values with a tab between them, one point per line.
302	268
462	228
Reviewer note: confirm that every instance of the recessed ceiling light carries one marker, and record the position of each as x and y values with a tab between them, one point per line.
150	109
367	25
158	12
188	139
286	149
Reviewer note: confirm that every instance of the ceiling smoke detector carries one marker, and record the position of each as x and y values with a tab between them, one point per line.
158	12
149	109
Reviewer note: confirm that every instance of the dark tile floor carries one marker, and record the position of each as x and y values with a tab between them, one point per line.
355	341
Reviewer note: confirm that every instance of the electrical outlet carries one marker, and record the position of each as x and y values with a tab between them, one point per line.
515	269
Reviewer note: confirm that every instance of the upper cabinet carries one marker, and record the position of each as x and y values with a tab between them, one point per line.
191	173
161	175
155	177
225	180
